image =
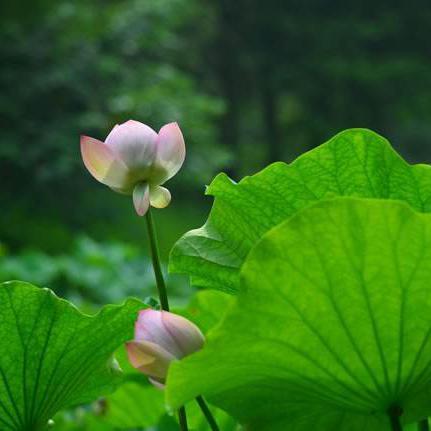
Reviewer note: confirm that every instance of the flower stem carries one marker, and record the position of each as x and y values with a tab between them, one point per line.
207	413
182	419
423	425
395	413
164	303
161	288
160	281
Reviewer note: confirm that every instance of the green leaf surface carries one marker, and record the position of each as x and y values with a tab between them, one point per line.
207	308
134	406
331	326
136	403
52	356
356	163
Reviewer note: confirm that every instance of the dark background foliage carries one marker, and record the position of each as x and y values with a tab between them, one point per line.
250	82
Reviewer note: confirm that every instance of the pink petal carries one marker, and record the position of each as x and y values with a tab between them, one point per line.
174	333
186	334
103	163
159	196
170	154
135	143
141	198
149	358
150	327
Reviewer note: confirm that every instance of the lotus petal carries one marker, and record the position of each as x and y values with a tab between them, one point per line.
149	358
102	163
150	327
135	143
141	198
186	334
174	333
160	197
170	153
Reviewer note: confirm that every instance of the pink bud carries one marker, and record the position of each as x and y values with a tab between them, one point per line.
160	338
134	159
135	143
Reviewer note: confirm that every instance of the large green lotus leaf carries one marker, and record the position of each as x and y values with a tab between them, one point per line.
134	406
356	163
52	356
207	308
331	327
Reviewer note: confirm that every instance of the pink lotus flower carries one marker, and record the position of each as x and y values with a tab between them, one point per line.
135	160
160	338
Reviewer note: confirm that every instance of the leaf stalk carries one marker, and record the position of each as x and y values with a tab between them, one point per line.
395	412
207	413
182	418
423	425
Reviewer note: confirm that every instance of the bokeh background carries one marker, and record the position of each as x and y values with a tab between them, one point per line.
250	82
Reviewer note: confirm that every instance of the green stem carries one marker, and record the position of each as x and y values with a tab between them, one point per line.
164	303
160	281
182	419
395	414
207	413
163	294
423	425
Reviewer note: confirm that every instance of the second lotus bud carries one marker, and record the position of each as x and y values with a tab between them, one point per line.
160	338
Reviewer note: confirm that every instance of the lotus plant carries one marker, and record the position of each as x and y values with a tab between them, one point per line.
160	338
135	160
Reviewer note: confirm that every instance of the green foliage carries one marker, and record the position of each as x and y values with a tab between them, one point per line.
331	326
93	272
52	356
134	406
197	422
206	308
329	258
250	82
356	162
141	406
138	405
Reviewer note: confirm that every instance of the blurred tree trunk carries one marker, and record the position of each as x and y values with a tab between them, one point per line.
270	117
228	51
230	122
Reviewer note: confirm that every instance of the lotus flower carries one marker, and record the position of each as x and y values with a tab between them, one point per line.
135	160
160	338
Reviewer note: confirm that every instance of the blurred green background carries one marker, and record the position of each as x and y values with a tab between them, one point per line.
249	82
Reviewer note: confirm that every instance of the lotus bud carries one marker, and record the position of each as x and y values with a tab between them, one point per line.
160	338
135	160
